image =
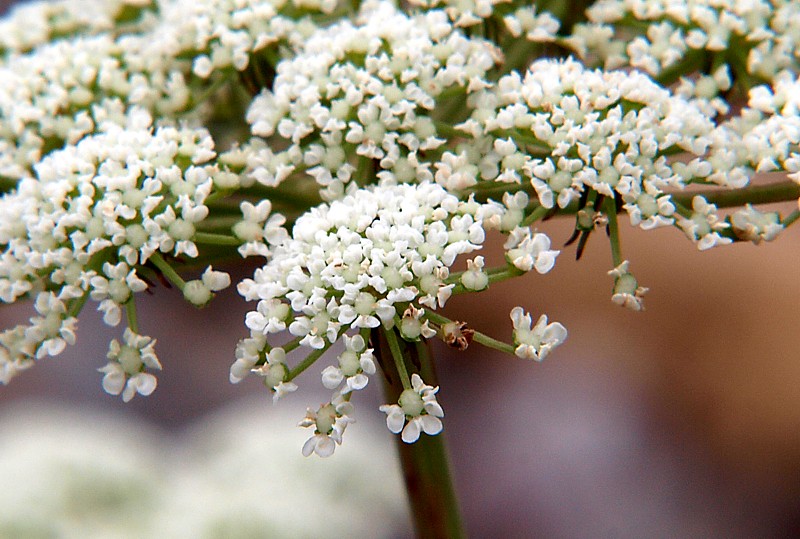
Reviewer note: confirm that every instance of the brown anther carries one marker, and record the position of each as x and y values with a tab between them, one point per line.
457	335
600	219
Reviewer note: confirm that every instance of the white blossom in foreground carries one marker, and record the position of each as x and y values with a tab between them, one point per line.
329	422
355	363
360	262
416	411
379	258
535	342
125	372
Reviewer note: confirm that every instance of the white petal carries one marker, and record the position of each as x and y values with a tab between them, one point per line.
325	446
331	377
431	425
309	446
412	430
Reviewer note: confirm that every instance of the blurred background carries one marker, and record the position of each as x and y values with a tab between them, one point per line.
679	421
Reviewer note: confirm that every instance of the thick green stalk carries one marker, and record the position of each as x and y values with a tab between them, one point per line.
425	463
781	191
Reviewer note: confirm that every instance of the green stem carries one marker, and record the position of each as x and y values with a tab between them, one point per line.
397	355
7	184
215	239
302	195
130	313
791	218
491	342
167	271
425	463
535	215
291	345
782	191
77	304
478	337
307	362
613	231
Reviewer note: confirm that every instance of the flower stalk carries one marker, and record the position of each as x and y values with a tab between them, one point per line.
425	463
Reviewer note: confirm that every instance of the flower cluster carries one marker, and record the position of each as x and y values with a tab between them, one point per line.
566	130
60	91
220	34
394	138
378	258
667	39
90	225
361	261
358	101
31	24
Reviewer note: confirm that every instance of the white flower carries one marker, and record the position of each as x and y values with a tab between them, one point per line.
51	331
537	342
124	372
355	363
259	229
753	225
416	411
275	373
527	251
16	353
704	226
329	422
627	291
352	263
475	278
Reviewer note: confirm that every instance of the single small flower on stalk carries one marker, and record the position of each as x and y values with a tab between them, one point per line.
627	291
705	226
329	422
125	371
200	291
475	278
355	363
535	342
275	371
752	225
416	411
413	326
